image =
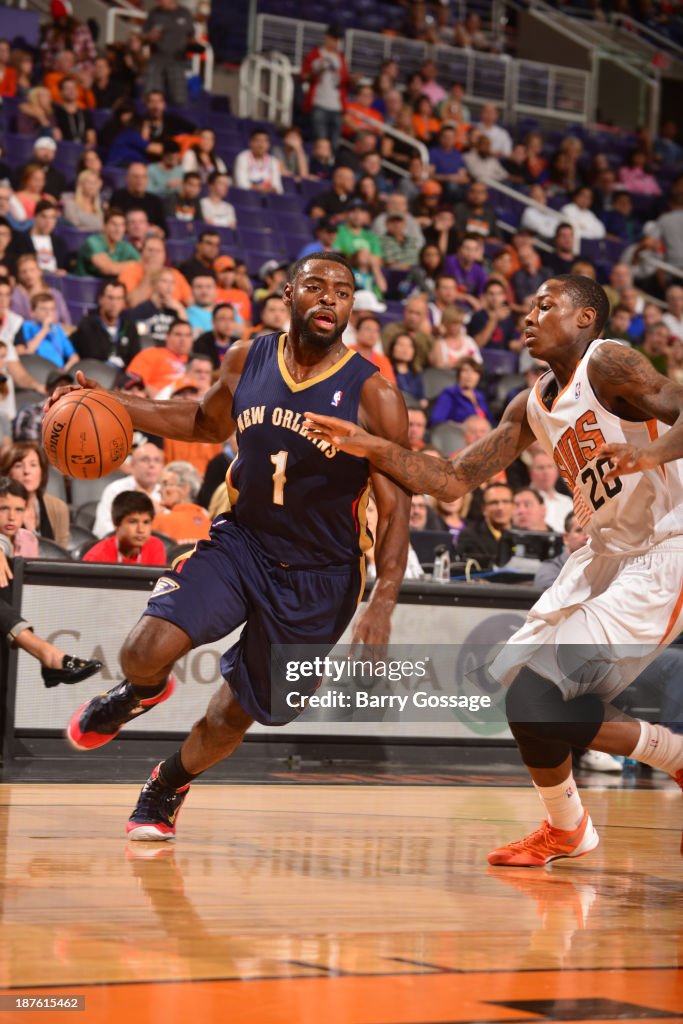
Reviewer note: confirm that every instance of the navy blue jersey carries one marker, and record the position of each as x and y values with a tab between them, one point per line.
303	499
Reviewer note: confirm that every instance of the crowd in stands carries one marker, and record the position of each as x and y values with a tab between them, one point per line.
141	235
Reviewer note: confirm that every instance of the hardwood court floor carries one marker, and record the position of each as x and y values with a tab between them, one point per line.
338	905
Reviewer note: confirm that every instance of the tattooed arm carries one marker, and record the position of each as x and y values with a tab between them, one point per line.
443	478
627	384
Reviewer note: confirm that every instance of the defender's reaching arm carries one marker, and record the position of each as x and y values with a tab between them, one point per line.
422	473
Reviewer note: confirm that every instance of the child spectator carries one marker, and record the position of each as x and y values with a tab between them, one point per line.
43	336
13	502
132	542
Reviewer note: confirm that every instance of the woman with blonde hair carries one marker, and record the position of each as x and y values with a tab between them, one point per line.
36	114
83	207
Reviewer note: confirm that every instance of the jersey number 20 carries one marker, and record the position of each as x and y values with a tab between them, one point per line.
610	487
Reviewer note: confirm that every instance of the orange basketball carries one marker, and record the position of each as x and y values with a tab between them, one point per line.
87	434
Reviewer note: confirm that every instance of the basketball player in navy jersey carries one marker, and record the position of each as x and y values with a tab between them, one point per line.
614	426
288	560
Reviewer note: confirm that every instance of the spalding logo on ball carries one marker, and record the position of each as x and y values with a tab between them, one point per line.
87	434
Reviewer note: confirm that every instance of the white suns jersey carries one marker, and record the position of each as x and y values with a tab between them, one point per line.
625	515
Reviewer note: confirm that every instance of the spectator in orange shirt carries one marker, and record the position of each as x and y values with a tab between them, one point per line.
65	66
191	388
369	345
425	125
230	287
8	74
181	518
362	104
160	367
132	542
140	277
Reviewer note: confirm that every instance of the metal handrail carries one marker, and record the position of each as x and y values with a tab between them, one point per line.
387	129
631	27
279	108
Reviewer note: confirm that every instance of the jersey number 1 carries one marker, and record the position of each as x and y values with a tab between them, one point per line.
279	479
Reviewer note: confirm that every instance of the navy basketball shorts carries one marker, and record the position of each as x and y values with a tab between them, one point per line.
228	581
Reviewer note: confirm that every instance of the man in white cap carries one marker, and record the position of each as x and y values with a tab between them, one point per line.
44	151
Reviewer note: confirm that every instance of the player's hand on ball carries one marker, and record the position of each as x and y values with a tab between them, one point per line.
625	458
343	434
81	382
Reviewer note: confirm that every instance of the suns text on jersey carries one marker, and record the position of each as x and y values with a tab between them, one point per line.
577	446
287	419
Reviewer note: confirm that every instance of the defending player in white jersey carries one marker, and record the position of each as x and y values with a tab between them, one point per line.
615	429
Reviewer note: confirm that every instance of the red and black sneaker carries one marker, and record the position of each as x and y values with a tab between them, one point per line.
101	719
156	811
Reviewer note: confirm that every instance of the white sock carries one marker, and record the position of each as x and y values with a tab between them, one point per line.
659	747
562	803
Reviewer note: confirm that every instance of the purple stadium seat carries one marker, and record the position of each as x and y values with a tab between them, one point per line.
73	237
292	223
80	289
254	259
309	189
287	203
263	241
251	218
181	229
245	198
79	309
499	361
179	250
18	148
114	176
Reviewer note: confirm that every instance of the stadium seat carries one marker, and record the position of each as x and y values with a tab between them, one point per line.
181	229
447	438
38	367
84	516
244	197
72	237
80	541
435	381
103	373
498	362
51	549
86	491
178	250
81	289
56	483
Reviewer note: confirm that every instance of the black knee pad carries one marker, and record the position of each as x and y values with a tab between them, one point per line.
546	726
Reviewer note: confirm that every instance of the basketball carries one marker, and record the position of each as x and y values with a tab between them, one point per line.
87	434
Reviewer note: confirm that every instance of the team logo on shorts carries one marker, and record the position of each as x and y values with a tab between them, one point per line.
336	398
577	389
164	585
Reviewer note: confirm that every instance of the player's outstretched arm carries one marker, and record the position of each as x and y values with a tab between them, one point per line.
445	479
383	412
207	420
626	383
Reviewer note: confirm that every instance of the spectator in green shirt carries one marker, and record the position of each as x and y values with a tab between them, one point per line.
106	254
401	251
354	234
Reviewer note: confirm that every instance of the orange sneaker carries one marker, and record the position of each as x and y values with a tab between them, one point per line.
546	844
